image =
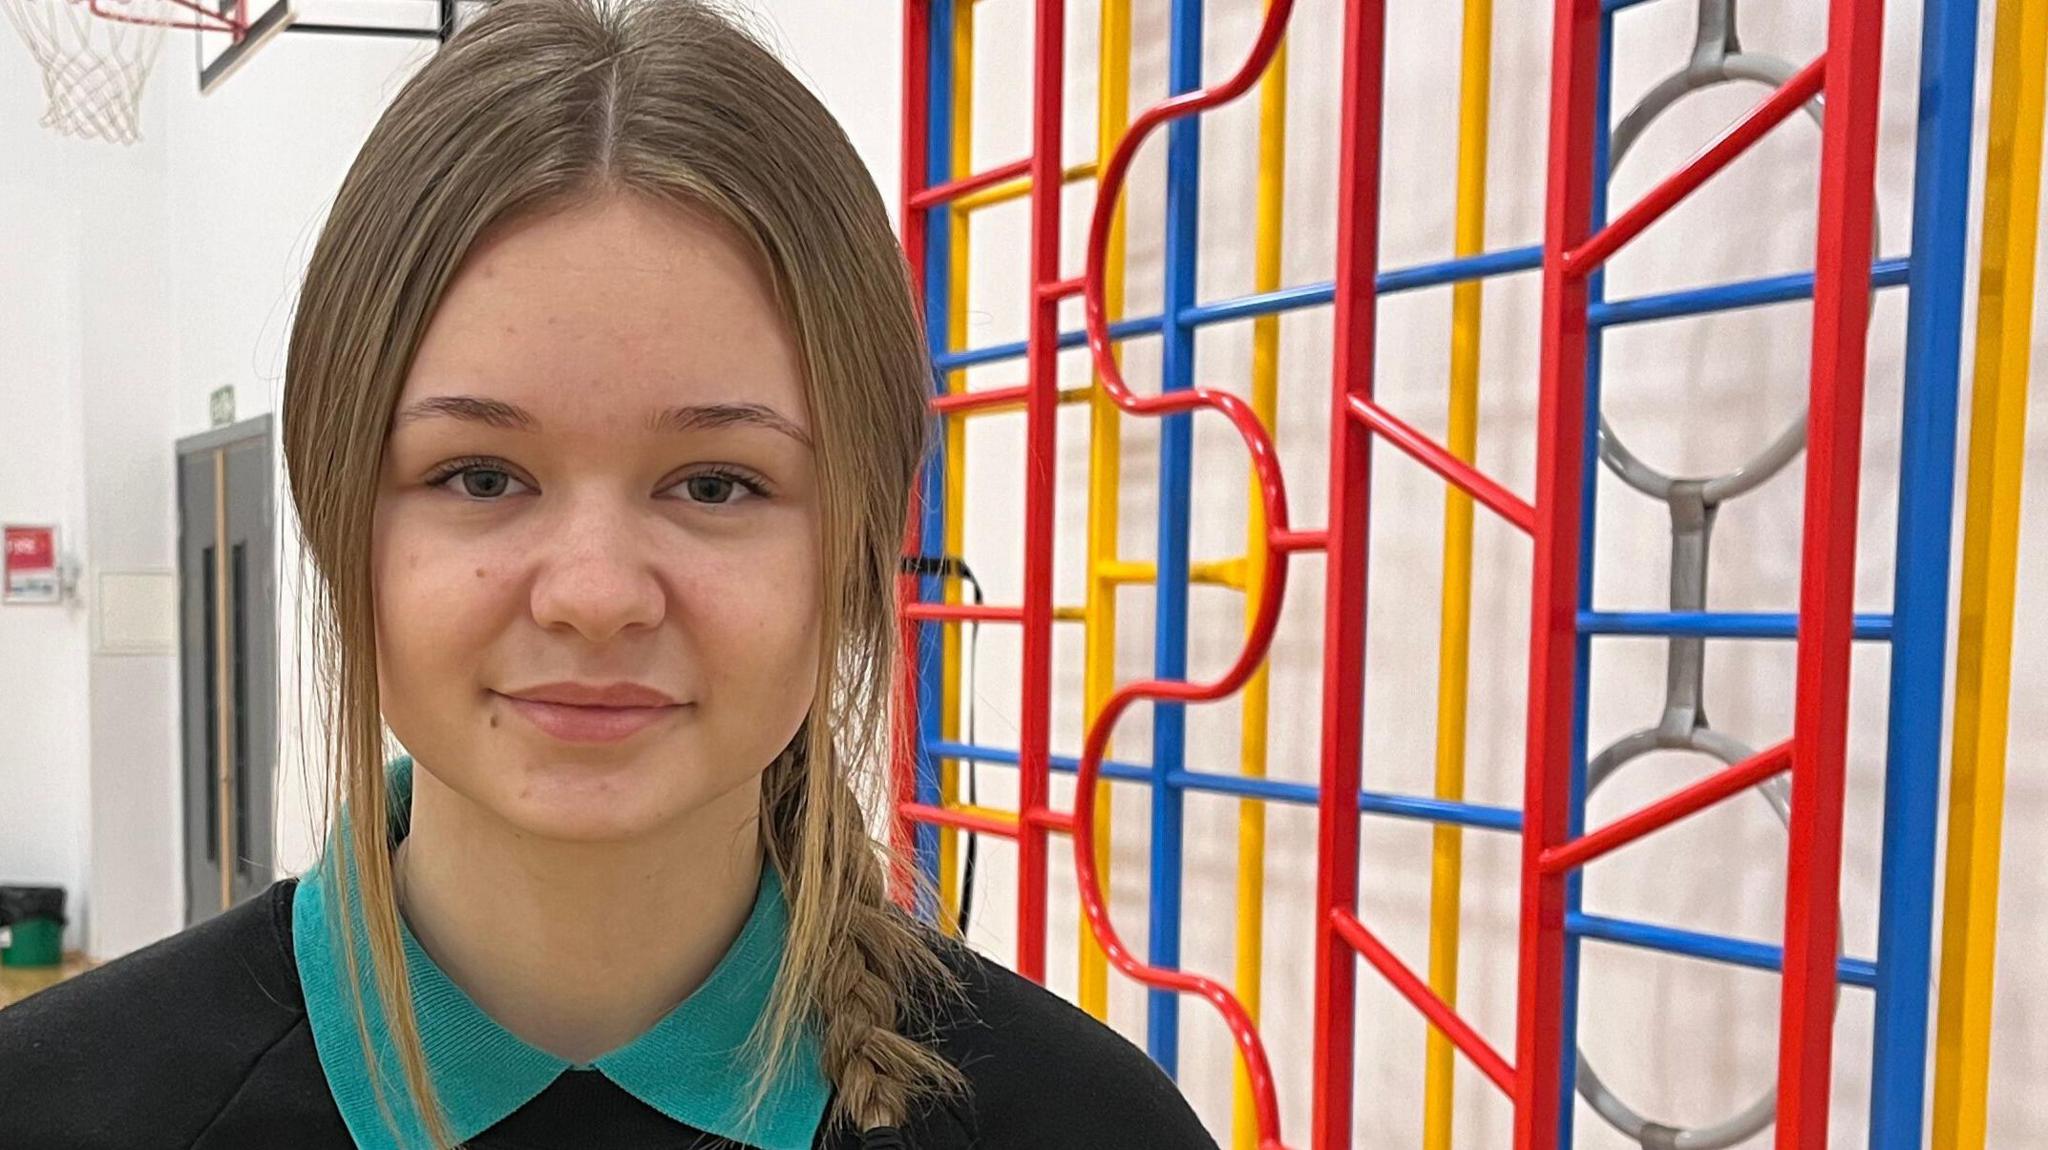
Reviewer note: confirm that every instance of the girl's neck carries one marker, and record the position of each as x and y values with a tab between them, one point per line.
578	948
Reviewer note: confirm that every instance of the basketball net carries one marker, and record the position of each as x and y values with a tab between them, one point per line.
95	56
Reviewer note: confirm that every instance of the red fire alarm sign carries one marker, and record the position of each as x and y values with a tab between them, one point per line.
31	565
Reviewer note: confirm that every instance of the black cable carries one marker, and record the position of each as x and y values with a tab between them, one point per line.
973	798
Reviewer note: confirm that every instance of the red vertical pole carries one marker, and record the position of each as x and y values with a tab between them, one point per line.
1560	453
903	727
1358	216
1827	584
1041	408
917	74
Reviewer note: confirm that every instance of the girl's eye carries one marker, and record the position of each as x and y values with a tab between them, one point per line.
721	487
711	488
486	491
483	483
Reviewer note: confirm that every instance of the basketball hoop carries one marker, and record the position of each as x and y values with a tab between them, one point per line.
95	56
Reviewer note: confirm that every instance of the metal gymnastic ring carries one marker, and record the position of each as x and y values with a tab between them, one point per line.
1764	1110
1697	77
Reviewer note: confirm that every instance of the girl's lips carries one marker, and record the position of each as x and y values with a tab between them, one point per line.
589	724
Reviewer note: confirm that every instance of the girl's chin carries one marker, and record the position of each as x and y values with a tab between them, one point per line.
584	802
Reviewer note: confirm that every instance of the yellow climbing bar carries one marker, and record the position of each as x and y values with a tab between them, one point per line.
1454	648
1017	189
997	814
1105	467
1249	573
1991	523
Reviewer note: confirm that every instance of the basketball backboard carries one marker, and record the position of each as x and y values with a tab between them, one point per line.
231	31
234	30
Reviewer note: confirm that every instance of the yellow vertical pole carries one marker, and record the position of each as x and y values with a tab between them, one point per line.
1991	522
956	454
1251	813
1454	640
1105	459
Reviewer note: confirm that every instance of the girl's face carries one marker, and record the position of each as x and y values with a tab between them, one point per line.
599	473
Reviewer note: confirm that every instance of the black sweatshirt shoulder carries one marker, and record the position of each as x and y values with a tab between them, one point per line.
200	1042
173	1045
1045	1074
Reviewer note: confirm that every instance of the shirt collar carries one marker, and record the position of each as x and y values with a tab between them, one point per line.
690	1065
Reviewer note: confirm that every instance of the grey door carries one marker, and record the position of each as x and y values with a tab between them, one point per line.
227	663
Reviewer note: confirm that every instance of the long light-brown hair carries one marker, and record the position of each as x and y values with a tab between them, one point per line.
539	105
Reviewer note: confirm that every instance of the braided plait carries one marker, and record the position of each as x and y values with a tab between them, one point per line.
874	972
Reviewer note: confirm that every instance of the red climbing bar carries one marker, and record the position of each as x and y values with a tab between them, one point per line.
963	612
1039	396
1827	585
1041	423
952	190
959	401
1455	471
1063	288
1349	532
1669	809
1291	541
1418	993
1553	633
1804	86
1265	607
903	735
1051	820
963	820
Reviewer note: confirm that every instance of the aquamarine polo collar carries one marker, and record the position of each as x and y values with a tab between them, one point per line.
690	1065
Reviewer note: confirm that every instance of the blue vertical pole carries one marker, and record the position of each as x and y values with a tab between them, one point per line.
1603	103
1927	454
1176	470
932	524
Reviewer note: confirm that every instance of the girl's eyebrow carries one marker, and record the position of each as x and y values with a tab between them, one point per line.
673	420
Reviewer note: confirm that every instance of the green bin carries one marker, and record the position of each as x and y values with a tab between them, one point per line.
31	925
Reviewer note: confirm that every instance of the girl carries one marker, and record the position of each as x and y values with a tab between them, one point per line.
604	400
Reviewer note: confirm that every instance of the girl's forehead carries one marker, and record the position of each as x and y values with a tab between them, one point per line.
622	309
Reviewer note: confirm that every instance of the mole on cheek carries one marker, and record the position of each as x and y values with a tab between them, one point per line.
479	572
